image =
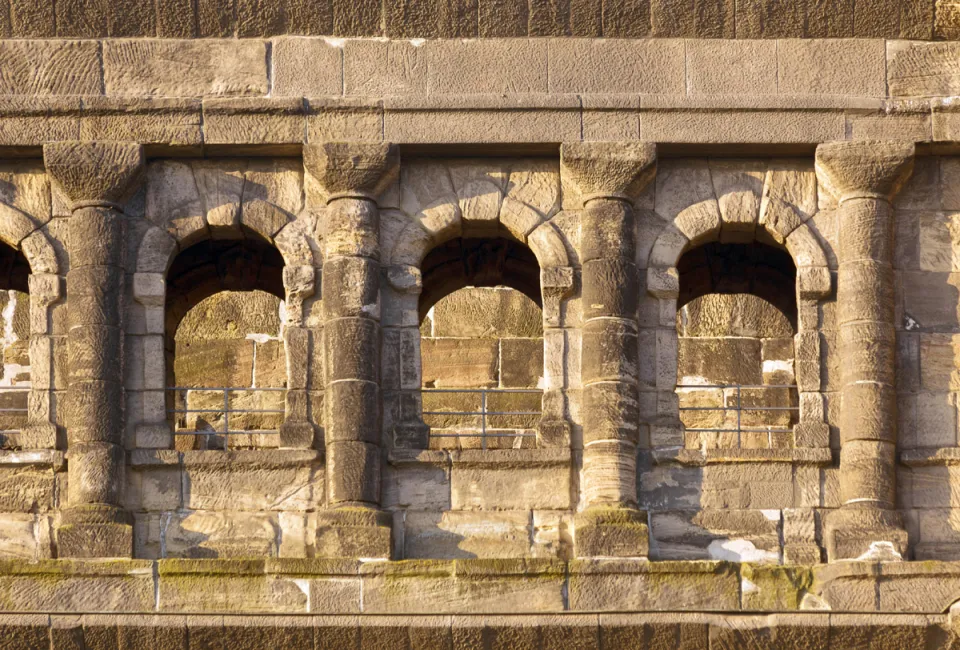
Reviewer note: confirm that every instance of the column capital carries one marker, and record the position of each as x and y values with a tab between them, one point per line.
864	169
95	173
615	170
352	169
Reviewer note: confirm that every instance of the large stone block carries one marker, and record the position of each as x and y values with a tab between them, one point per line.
486	313
77	586
640	66
922	69
732	535
604	585
286	480
225	586
510	480
460	363
728	67
457	535
220	534
483	586
833	67
50	68
185	68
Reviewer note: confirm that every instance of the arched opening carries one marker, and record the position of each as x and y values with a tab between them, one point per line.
223	344
736	321
481	344
15	340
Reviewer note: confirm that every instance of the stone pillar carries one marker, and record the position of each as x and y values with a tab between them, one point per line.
609	177
96	178
864	177
352	175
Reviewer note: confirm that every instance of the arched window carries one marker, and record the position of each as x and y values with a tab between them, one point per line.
736	321
225	361
14	345
481	344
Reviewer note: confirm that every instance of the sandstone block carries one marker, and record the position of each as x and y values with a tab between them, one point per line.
733	535
185	68
603	66
728	67
50	68
306	67
922	69
599	585
455	535
510	488
486	66
221	534
833	67
521	363
611	532
452	363
489	586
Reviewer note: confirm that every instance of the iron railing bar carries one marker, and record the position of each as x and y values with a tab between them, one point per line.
232	389
480	435
744	407
767	430
531	391
735	385
480	412
220	411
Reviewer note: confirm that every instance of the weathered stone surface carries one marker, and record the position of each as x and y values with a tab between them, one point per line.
50	68
185	68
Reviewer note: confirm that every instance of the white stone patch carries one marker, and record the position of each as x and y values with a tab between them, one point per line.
748	587
881	552
417	42
777	365
812	602
771	515
740	550
304	586
260	338
334	42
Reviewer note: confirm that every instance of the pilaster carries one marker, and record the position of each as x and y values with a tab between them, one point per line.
864	177
352	175
610	176
96	177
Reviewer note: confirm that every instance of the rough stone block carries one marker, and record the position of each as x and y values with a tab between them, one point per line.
185	68
728	67
732	535
527	486
306	67
456	535
617	66
489	586
49	68
459	363
833	67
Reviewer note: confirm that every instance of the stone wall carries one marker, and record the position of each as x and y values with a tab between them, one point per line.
482	338
231	340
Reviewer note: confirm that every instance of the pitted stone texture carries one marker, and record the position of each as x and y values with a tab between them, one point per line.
351	168
858	169
95	171
609	169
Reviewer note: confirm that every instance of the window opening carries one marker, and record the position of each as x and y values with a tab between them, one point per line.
481	345
15	340
736	322
226	364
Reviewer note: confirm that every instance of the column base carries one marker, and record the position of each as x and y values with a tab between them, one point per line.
611	532
354	533
297	435
95	532
865	533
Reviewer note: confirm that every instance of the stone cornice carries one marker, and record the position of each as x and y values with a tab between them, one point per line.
281	126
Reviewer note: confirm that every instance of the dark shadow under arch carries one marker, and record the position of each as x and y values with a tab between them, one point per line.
14	270
755	268
491	262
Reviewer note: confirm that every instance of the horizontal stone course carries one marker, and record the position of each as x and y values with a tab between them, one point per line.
484	18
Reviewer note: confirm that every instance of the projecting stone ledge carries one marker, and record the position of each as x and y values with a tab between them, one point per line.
475	586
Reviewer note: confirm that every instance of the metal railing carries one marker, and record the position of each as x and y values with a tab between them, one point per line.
226	409
740	408
484	433
14	411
